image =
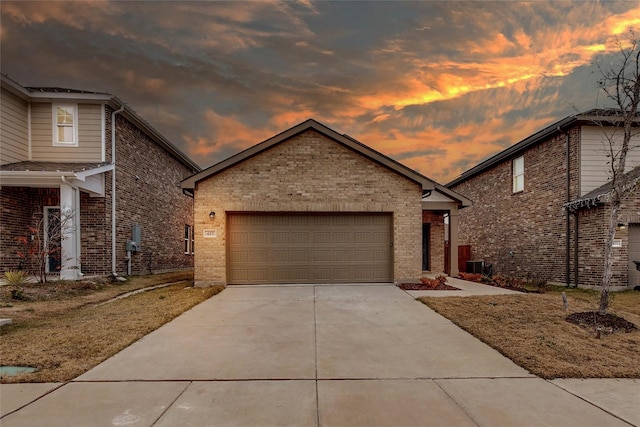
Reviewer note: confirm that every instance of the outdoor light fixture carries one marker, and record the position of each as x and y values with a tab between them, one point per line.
621	226
212	215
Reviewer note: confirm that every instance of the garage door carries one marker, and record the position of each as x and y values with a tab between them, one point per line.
309	248
634	254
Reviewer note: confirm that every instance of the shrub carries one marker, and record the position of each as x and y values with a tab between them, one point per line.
16	277
472	277
18	294
439	280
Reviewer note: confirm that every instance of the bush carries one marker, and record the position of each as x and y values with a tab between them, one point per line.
16	277
472	277
440	280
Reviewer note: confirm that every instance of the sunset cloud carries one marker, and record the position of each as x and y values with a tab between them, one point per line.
439	86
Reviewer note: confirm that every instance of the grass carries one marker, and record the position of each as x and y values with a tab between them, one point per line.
74	338
531	330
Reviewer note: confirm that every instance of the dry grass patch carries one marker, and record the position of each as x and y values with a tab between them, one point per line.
532	330
75	340
43	300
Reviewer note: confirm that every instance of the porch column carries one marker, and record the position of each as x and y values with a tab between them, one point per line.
70	232
454	240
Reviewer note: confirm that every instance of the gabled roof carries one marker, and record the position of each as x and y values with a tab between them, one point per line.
343	139
51	94
592	117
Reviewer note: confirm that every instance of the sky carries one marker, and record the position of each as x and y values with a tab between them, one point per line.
436	85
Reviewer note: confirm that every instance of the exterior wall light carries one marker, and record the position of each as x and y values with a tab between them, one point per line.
212	215
621	226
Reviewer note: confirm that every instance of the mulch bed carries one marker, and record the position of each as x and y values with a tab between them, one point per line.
604	323
426	287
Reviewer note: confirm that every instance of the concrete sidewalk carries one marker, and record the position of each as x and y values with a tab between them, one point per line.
316	356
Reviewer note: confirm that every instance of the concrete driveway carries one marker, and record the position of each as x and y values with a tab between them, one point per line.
309	356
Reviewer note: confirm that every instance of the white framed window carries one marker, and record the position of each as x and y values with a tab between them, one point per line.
188	239
518	174
65	125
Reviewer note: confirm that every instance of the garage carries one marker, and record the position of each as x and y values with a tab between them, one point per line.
309	248
312	205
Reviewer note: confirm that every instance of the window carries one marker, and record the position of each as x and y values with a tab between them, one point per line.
65	124
188	239
518	174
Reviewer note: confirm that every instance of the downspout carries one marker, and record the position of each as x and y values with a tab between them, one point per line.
575	248
113	189
568	214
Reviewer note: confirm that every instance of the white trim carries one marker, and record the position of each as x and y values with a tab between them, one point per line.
54	125
189	240
30	156
103	133
514	176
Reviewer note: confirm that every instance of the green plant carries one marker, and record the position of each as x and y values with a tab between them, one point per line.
16	277
18	294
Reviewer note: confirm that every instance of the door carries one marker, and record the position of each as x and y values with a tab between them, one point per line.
309	248
634	254
426	239
52	239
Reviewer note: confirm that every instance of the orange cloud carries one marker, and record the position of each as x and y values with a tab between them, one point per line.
199	146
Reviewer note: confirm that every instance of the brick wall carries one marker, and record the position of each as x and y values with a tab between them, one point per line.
436	242
593	225
15	212
21	208
96	246
307	173
148	194
522	234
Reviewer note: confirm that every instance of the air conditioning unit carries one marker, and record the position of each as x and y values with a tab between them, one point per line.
475	267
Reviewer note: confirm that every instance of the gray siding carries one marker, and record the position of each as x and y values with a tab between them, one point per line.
594	167
13	129
89	147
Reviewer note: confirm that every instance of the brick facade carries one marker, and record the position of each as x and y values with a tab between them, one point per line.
148	194
22	209
523	234
593	225
306	173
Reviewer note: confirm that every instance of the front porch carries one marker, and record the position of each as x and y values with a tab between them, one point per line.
45	207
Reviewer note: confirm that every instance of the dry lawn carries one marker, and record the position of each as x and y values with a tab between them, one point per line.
48	299
531	330
71	341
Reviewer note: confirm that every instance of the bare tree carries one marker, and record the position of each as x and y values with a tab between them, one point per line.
44	242
620	83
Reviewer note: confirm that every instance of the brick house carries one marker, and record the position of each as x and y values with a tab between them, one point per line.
311	205
62	154
539	208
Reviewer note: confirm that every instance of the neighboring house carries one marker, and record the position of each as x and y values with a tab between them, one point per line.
57	161
311	205
539	209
